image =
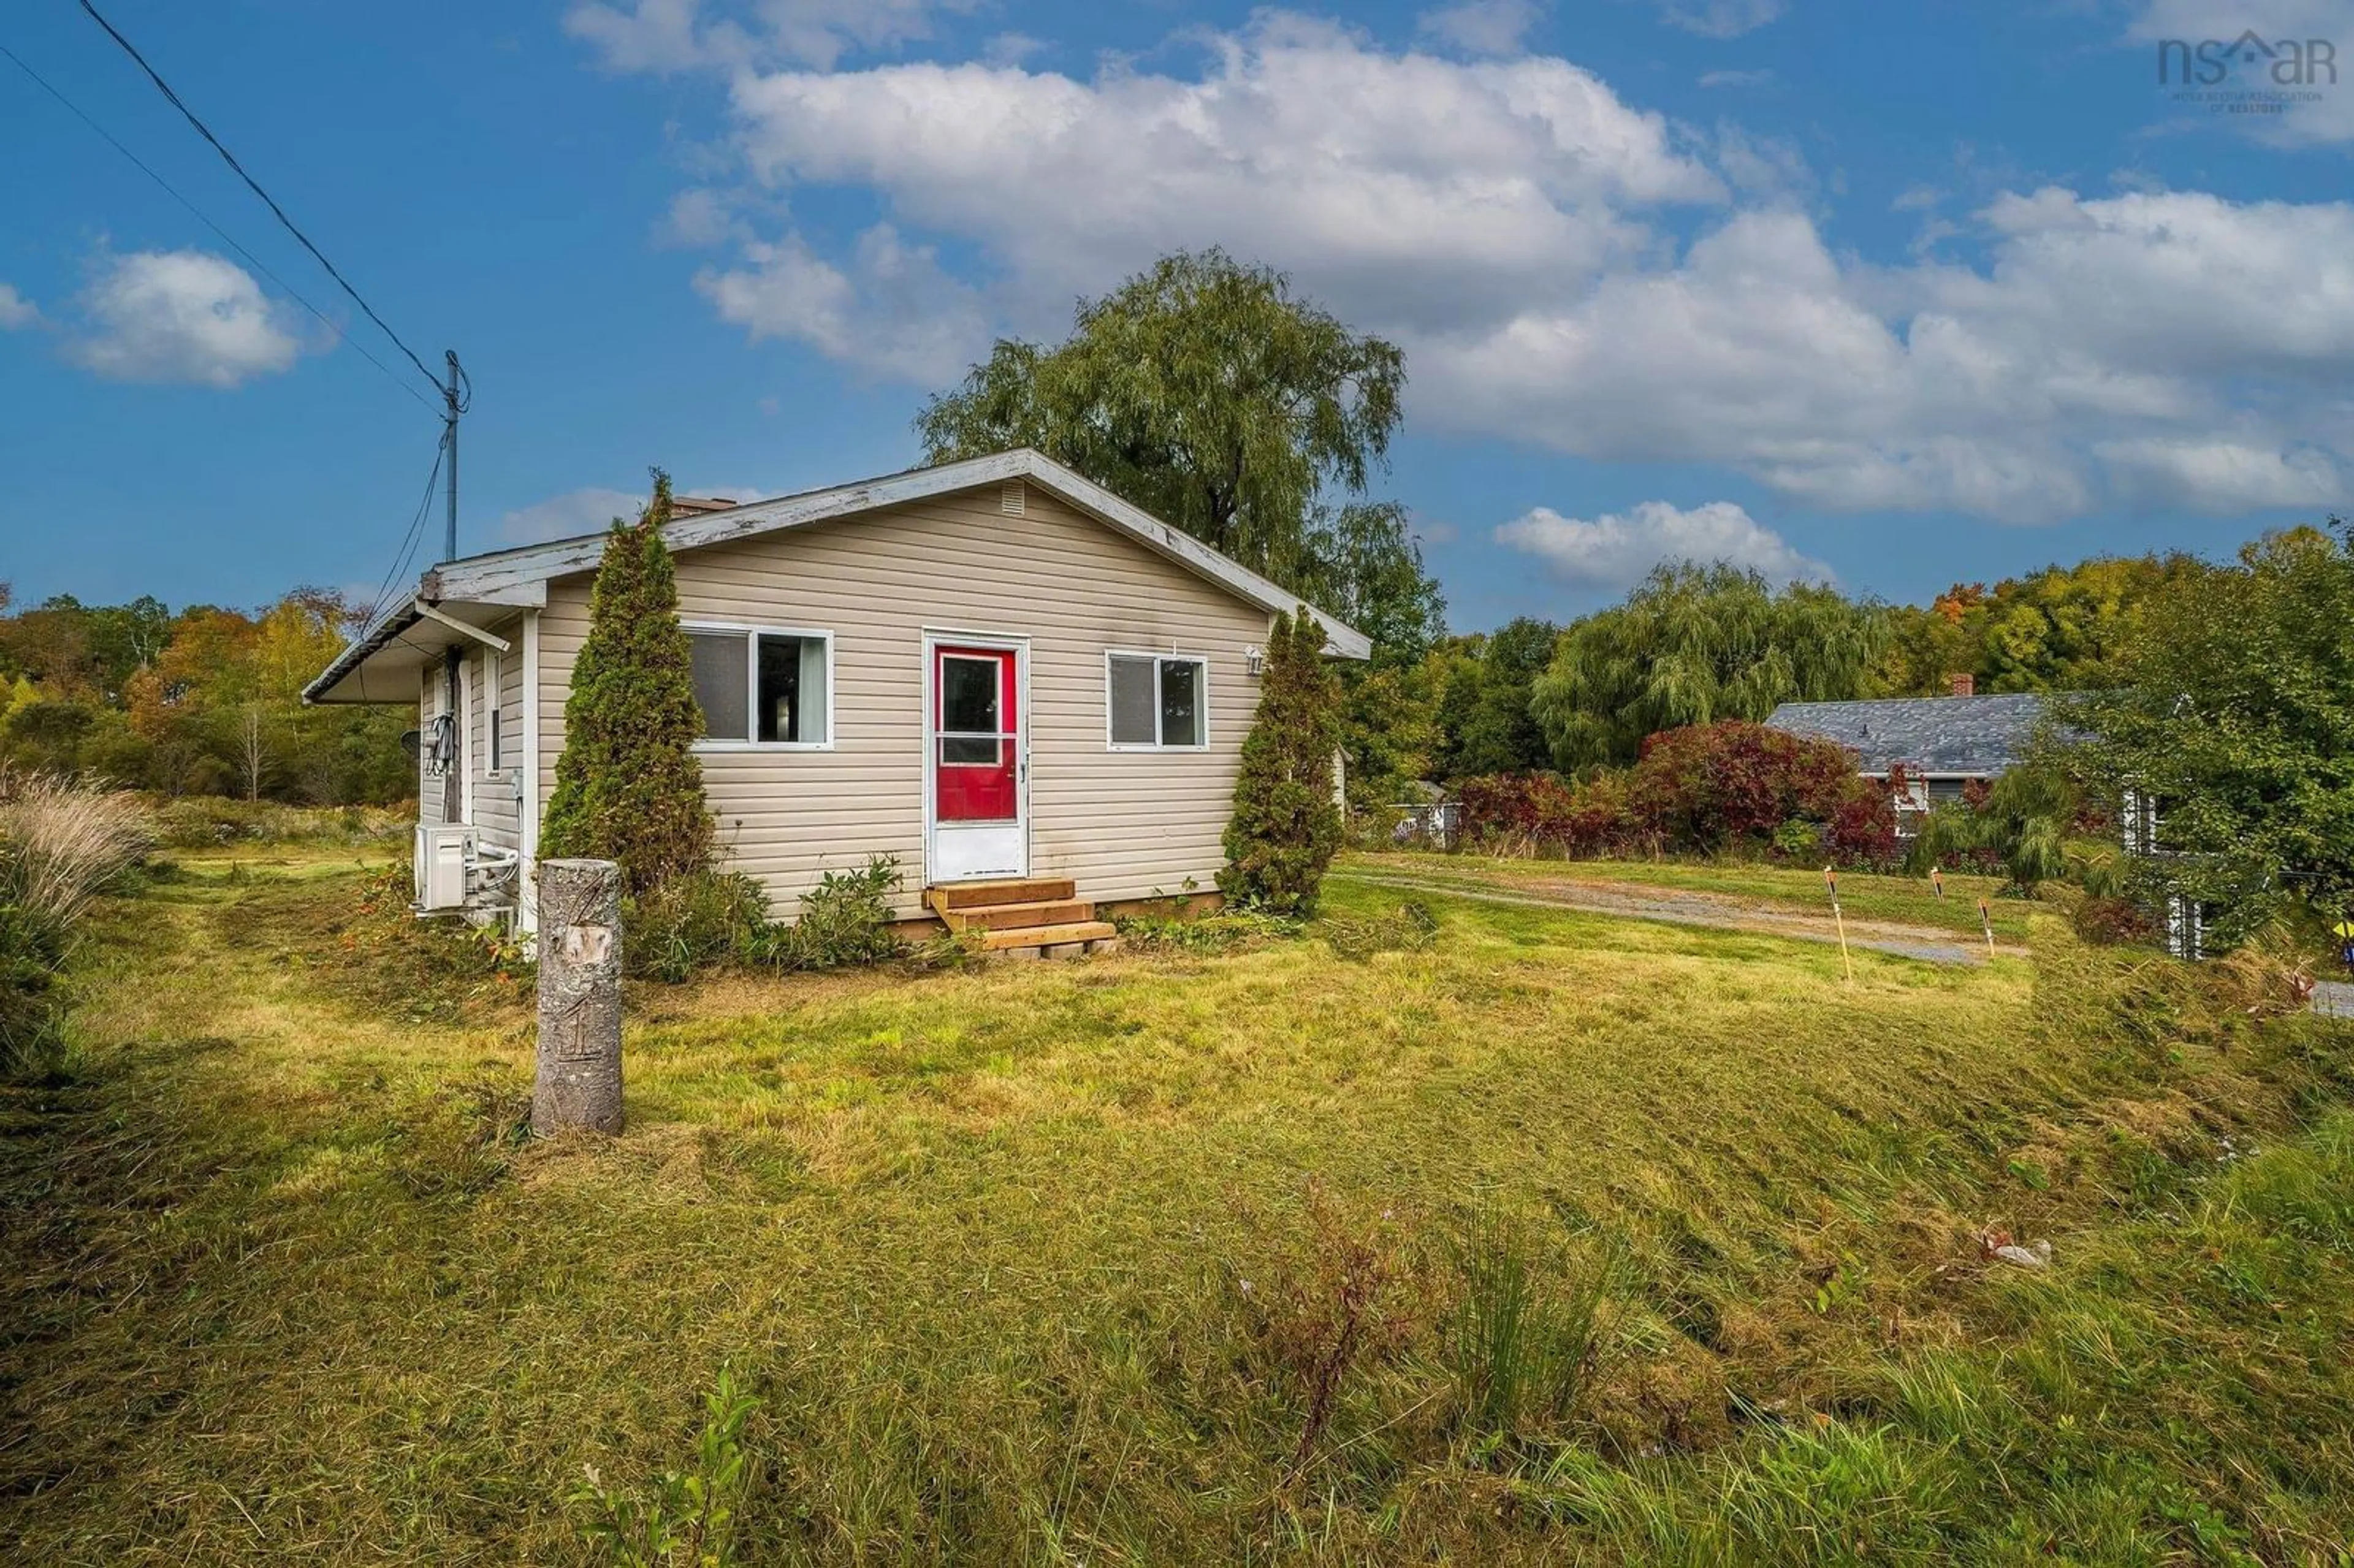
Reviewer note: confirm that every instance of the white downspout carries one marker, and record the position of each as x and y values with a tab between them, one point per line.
527	878
470	710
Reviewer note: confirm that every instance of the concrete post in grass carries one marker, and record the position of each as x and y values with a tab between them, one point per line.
579	1081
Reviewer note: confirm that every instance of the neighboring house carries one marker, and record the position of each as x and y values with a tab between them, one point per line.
994	671
1942	744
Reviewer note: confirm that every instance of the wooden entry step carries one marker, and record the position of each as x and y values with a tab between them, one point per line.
1011	916
1025	916
1024	890
1086	935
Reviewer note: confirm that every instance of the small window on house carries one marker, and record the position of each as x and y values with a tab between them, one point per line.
763	688
1156	701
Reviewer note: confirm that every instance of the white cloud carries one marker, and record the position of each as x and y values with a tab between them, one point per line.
1512	225
1720	18
1482	26
1415	189
900	314
699	218
1013	48
2027	391
683	34
1735	78
1616	549
15	310
592	508
569	516
181	316
2224	475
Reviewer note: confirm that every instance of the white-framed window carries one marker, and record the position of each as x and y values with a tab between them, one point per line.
1156	702
766	686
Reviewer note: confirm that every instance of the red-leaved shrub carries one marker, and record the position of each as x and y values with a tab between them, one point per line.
1542	814
1709	786
2107	921
1695	790
1861	833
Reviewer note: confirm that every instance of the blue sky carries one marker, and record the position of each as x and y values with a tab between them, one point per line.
1900	295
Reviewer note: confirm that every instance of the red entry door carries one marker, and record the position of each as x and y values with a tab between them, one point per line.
976	736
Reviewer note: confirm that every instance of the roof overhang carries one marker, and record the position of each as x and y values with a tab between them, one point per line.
397	641
382	664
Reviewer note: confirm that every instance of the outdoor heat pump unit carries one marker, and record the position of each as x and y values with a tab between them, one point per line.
442	852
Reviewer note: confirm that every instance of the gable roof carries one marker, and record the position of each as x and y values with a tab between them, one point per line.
519	576
1970	737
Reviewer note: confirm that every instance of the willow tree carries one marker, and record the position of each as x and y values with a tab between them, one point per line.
628	786
1204	392
1693	644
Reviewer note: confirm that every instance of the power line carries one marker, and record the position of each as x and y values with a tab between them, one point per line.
406	550
226	237
255	185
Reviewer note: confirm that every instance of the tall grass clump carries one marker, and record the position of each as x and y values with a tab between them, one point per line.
1525	1338
62	841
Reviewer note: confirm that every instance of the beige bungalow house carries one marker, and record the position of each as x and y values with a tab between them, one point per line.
1029	692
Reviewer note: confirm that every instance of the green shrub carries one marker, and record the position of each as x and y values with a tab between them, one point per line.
690	1517
700	922
1286	827
2022	826
845	919
691	923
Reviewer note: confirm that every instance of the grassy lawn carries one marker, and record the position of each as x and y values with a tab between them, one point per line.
1048	1261
1906	899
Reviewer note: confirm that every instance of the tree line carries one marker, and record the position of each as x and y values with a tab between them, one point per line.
1697	642
203	700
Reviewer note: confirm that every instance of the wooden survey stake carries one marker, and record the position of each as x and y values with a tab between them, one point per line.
1986	924
1839	921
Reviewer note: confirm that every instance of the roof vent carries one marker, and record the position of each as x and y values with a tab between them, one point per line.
1013	498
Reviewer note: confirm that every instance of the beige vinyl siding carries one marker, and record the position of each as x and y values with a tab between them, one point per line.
1121	824
498	801
429	697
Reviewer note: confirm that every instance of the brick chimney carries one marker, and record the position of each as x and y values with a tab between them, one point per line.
1963	682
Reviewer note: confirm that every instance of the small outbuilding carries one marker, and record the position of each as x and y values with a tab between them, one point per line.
1029	692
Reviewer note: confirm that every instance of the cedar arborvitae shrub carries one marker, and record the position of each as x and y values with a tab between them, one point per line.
628	787
1286	827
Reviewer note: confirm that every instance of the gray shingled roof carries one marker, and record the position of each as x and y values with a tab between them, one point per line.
1975	737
